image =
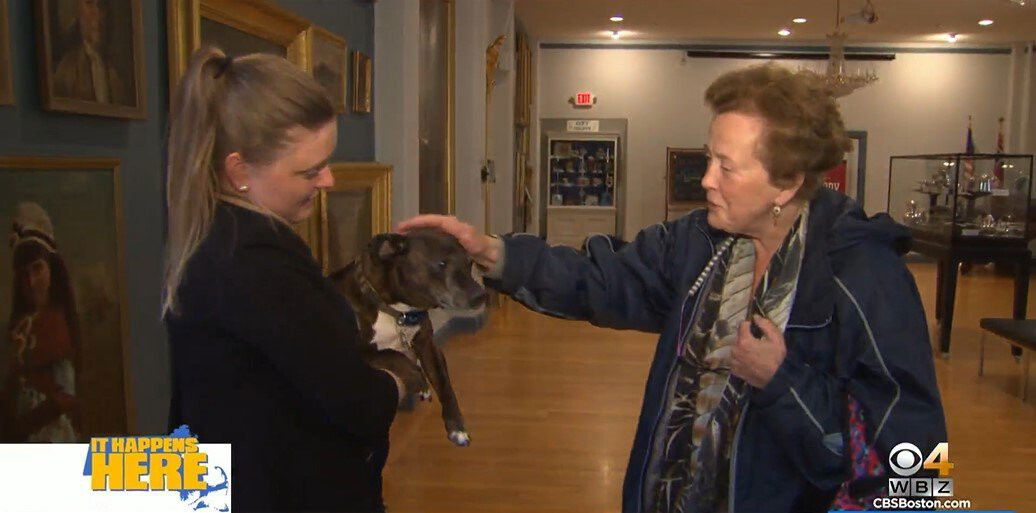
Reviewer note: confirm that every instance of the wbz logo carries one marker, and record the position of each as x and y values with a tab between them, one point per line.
905	460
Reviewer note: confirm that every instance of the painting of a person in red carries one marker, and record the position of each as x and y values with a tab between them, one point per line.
38	398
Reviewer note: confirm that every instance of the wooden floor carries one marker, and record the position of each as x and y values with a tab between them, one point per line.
551	406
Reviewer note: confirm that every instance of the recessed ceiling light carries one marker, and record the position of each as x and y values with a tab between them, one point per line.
784	32
799	20
985	23
615	34
616	18
951	38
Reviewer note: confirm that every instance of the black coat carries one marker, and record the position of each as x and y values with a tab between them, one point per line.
264	357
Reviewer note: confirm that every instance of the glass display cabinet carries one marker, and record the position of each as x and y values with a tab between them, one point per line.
965	208
583	184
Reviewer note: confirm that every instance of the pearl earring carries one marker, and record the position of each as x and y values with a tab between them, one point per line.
776	213
243	188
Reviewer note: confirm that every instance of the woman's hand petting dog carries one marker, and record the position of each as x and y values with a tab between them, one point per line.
408	376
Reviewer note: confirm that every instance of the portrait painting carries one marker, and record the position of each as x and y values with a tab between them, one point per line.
362	83
91	57
349	225
6	79
62	307
328	61
356	208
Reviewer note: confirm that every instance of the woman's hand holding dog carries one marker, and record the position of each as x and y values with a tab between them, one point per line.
486	251
408	376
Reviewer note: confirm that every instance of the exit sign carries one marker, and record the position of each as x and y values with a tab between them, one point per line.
584	99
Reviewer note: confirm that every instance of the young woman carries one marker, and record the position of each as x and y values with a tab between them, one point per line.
263	347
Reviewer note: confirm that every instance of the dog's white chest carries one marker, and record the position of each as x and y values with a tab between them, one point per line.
390	335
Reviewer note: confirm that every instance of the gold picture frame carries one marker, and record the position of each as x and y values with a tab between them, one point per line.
362	82
80	204
362	194
329	61
256	25
6	80
70	56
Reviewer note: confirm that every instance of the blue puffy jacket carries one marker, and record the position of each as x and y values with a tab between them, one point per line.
857	327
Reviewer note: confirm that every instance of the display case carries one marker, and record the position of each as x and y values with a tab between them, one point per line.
964	208
975	198
583	183
582	172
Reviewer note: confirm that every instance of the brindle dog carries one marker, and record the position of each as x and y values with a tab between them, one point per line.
392	284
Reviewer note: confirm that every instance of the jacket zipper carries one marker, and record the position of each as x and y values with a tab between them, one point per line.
669	376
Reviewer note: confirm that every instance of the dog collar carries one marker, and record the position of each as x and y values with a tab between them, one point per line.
405	315
411	318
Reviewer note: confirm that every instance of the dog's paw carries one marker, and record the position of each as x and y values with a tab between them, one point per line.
460	438
425	395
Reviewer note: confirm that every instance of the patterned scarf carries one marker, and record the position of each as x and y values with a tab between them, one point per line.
689	470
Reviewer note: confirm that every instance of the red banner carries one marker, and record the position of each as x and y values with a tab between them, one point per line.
835	178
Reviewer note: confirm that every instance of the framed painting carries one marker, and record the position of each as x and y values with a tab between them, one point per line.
358	207
362	83
63	350
328	58
6	80
238	27
685	168
91	57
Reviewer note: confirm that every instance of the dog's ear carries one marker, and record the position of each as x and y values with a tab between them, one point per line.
388	245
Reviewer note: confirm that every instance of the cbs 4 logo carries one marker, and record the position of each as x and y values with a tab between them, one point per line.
906	459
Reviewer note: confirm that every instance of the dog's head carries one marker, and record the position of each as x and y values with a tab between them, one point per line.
423	269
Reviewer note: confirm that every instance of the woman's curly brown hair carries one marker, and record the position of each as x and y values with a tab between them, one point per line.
803	133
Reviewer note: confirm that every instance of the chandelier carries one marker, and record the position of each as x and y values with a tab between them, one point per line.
838	80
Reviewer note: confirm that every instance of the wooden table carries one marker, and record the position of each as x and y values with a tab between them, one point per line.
951	251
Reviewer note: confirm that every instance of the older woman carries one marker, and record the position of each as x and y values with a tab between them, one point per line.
794	351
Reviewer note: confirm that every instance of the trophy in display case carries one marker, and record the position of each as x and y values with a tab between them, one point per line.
962	196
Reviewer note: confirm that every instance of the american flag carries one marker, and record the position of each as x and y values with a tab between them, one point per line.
998	170
969	149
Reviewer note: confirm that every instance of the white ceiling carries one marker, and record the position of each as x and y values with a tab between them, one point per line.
899	21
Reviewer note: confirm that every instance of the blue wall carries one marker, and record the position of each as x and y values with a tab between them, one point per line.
26	130
354	21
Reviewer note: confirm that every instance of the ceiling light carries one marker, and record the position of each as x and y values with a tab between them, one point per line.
985	23
951	38
799	20
616	18
615	34
784	32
